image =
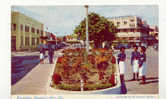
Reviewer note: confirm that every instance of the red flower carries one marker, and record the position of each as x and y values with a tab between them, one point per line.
101	75
112	79
113	60
60	60
56	78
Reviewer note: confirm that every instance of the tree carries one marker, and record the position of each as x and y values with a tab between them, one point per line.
100	29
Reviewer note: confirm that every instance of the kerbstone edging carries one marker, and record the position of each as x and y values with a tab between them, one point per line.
113	90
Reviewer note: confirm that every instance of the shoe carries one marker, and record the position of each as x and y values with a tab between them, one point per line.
137	75
142	83
133	79
137	79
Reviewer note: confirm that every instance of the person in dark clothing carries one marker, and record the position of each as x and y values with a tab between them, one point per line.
121	62
50	53
142	65
134	62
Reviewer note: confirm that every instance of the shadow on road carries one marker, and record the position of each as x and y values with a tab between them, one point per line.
152	80
21	65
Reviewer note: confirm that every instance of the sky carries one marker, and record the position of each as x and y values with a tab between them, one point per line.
62	20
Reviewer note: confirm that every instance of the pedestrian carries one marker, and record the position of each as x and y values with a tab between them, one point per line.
135	63
50	53
121	62
42	54
142	65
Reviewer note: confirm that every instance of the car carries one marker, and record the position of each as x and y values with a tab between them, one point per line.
127	46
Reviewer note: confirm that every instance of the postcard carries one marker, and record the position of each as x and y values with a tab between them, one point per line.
73	51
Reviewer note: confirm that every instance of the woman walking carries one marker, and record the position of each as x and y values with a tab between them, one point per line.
121	62
142	65
135	63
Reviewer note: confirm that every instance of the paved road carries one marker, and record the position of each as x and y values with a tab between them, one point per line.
151	87
21	64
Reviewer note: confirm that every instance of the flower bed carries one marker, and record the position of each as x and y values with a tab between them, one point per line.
96	69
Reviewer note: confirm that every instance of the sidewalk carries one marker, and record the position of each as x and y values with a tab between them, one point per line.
35	82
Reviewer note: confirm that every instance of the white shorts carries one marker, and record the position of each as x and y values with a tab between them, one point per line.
41	56
122	67
142	70
135	66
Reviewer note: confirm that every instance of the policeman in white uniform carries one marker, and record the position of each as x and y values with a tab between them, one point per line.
135	62
142	64
121	61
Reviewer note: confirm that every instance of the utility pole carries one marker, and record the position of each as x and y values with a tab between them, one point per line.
87	36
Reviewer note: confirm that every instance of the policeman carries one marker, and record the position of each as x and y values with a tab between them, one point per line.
121	62
142	64
134	62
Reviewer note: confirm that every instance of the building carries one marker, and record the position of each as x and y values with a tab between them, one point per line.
130	29
26	32
154	31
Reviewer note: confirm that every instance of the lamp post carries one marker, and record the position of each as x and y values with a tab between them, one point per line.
87	37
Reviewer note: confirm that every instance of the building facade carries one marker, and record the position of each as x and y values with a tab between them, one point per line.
154	31
130	29
25	32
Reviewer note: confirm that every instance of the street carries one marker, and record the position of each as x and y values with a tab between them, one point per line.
21	64
39	74
151	86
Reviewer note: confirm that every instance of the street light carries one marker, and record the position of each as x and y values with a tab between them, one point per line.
87	39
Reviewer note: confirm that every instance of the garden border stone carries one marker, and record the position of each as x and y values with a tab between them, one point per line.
113	90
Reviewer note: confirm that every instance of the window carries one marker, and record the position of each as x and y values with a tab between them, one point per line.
42	32
33	41
131	30
33	30
136	30
14	27
132	25
118	23
125	22
132	20
131	38
124	30
26	28
37	31
37	41
27	41
21	41
21	27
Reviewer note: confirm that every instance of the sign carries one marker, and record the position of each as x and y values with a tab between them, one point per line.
128	34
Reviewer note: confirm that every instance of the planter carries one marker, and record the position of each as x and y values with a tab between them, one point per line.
56	86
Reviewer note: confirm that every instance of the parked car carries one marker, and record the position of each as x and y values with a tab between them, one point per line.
127	46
